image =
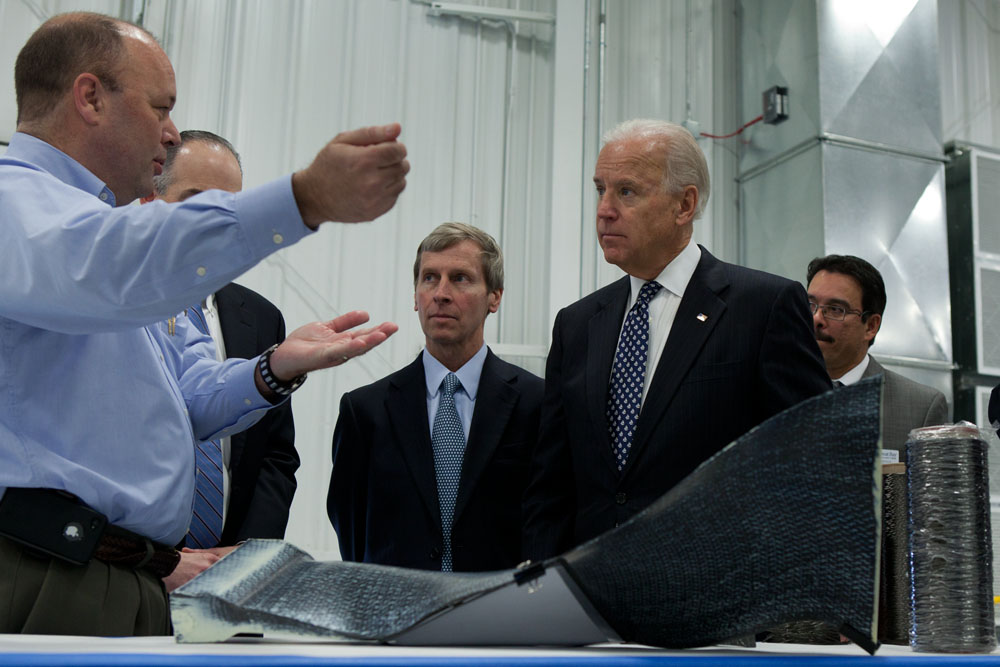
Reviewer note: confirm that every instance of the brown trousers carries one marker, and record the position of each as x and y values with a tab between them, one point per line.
48	596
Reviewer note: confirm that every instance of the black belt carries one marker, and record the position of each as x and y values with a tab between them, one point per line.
59	524
123	547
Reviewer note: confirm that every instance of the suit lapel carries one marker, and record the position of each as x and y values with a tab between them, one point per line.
495	401
238	324
700	310
602	341
406	407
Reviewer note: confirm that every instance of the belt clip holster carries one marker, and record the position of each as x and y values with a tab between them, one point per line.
53	522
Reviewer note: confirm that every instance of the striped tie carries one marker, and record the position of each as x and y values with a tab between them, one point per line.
206	526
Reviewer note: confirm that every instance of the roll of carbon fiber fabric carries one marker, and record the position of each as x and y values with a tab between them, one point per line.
949	534
894	593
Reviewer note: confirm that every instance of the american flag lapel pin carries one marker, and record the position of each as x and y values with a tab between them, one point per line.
702	317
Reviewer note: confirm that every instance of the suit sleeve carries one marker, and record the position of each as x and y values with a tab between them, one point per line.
549	505
267	515
791	366
345	501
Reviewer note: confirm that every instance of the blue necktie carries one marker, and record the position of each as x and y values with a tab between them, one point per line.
206	525
448	442
629	374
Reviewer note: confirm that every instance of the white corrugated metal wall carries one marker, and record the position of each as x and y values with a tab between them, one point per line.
281	78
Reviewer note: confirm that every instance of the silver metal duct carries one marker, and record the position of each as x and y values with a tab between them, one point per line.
858	167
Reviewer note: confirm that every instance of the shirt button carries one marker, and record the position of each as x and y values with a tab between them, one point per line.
247	401
278	239
103	196
620	498
201	271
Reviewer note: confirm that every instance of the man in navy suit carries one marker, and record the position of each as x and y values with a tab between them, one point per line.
404	493
261	461
643	383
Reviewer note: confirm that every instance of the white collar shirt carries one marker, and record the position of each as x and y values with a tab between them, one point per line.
674	278
853	375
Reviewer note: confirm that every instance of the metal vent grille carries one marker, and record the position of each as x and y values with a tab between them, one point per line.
987	219
988	291
982	420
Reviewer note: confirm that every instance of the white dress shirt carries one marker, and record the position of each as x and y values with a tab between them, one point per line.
663	306
853	375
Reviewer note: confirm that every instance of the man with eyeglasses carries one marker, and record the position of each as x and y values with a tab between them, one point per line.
847	297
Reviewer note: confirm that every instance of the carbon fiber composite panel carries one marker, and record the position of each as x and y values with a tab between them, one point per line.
781	525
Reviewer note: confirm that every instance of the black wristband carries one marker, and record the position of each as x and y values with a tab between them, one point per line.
280	387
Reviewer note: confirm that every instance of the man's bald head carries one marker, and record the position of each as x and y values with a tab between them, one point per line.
60	50
202	161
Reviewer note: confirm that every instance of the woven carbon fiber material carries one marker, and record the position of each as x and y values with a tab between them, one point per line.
782	525
273	587
894	605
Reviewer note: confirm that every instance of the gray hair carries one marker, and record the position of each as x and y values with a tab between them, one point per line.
449	234
163	182
685	164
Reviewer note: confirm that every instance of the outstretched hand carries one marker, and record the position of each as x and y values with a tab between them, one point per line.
326	344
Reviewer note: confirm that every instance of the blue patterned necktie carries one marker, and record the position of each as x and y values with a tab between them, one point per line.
448	443
206	525
629	374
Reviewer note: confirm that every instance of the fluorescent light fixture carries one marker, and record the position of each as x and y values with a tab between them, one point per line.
491	13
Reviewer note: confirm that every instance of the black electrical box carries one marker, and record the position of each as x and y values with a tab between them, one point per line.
775	105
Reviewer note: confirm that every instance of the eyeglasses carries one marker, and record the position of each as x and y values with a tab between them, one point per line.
834	312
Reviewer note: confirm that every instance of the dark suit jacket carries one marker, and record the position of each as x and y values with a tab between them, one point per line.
741	349
383	499
263	459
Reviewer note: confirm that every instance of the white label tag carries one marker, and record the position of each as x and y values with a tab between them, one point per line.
890	456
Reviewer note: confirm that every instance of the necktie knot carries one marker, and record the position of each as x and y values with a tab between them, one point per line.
450	384
647	292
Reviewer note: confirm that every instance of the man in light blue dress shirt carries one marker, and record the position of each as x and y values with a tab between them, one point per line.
90	404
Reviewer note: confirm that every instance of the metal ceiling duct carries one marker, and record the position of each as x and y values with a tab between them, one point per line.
858	167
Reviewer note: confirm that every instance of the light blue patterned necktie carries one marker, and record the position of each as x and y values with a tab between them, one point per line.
629	374
448	443
206	525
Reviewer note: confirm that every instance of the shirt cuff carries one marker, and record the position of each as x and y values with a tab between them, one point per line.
270	216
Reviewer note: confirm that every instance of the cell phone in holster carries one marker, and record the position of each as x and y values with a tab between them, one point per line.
53	522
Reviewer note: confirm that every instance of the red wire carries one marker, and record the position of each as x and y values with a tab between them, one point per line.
732	134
